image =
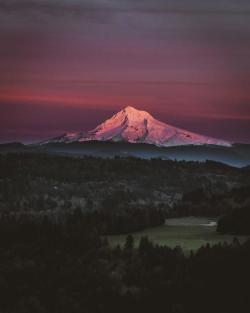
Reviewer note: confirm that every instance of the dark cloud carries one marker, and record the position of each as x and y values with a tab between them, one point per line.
38	11
84	7
47	7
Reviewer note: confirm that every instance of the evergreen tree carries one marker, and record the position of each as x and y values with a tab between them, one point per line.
129	244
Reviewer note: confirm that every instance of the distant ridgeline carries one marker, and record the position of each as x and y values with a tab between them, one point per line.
236	155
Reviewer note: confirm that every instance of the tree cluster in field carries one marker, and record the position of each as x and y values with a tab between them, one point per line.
235	222
213	203
47	267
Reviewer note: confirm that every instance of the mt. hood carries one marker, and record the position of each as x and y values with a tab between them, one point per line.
135	126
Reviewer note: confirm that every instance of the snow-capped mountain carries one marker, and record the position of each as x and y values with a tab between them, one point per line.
136	126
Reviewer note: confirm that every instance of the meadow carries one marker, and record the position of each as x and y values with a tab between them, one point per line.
190	233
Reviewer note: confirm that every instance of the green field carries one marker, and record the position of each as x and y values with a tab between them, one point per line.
188	232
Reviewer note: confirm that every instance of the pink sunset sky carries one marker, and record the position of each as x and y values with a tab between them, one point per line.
67	65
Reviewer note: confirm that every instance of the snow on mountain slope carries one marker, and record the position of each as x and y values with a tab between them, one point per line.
132	125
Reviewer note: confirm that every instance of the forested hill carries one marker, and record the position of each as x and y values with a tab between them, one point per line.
42	183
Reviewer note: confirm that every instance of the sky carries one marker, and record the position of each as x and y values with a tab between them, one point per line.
67	65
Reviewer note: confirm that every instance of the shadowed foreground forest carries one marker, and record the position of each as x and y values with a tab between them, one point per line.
54	215
47	267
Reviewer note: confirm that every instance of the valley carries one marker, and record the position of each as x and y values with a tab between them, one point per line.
121	234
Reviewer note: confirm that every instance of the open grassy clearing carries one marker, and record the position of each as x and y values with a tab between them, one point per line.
189	232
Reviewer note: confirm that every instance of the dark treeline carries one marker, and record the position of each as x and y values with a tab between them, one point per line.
110	222
106	222
55	268
77	169
236	222
202	201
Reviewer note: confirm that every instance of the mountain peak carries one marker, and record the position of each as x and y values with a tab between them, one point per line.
134	126
133	114
133	111
129	108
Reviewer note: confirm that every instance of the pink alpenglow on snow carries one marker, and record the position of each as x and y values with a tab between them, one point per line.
136	126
